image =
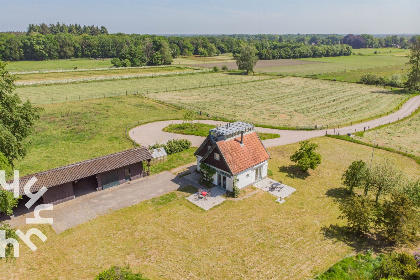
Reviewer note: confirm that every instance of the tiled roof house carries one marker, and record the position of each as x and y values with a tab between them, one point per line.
234	151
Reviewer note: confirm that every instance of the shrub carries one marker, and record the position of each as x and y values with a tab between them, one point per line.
369	79
116	62
119	273
173	146
224	68
236	190
216	69
207	172
400	266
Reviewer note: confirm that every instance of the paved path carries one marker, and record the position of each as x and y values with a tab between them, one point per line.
151	133
88	207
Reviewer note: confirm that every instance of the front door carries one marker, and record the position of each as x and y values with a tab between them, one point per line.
219	180
224	182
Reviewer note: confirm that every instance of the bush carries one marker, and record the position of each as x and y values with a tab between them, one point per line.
116	62
173	146
369	79
118	273
358	211
400	266
224	68
216	69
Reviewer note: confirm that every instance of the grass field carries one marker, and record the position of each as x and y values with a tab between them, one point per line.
36	77
75	131
187	60
403	136
254	238
288	102
45	94
58	64
337	64
354	76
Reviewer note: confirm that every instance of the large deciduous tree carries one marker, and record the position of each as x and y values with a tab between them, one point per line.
413	81
16	118
247	58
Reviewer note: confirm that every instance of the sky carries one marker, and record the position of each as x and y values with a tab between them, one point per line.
220	17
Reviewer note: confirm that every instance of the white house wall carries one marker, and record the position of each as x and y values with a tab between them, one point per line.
247	177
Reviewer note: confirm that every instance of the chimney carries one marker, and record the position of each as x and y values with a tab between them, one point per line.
242	137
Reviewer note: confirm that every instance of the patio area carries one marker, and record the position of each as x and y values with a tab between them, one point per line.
275	188
205	198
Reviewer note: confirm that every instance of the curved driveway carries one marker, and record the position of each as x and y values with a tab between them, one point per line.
152	133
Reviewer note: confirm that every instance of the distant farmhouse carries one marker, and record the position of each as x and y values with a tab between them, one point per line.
234	151
67	182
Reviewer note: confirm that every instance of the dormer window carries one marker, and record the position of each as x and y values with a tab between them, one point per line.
216	156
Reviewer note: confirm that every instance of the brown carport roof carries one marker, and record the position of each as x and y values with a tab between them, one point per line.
83	169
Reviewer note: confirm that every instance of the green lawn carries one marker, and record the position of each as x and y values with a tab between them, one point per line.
201	129
253	238
58	64
174	161
343	63
75	131
45	94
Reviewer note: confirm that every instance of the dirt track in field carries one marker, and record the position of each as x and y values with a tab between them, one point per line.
260	63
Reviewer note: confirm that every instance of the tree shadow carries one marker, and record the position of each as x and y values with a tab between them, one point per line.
359	242
294	172
338	194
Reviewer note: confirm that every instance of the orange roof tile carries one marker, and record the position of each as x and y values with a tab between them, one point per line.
239	156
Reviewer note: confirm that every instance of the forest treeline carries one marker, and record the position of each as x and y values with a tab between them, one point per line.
61	41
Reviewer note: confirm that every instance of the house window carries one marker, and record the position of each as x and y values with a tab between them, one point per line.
247	175
208	147
216	156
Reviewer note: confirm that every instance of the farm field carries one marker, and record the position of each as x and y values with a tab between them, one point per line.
336	64
187	60
362	59
288	102
76	131
403	136
354	76
51	76
45	94
58	64
255	237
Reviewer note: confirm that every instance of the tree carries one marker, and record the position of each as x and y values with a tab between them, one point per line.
355	175
247	58
16	120
357	210
399	218
306	157
413	81
384	178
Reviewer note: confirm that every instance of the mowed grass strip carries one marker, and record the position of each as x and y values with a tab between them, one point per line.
46	94
76	131
58	64
354	76
288	101
403	136
337	64
37	77
255	238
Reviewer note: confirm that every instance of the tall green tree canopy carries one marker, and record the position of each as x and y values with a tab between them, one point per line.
246	58
16	118
413	81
